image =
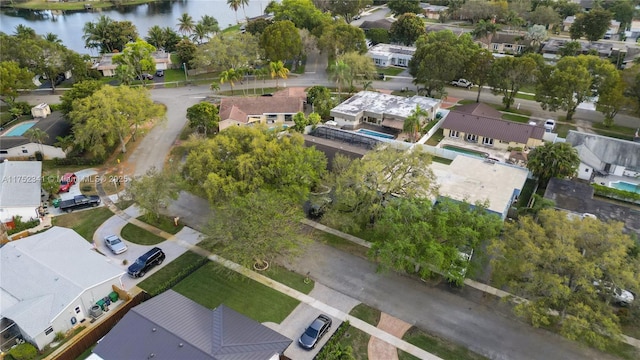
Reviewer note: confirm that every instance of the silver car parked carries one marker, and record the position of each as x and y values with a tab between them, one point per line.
115	244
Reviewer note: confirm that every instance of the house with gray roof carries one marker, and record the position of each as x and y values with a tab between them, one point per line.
479	124
384	23
22	147
605	155
107	66
242	111
171	326
20	189
49	283
382	110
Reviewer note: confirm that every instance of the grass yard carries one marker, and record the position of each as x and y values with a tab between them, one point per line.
516	118
157	282
563	129
164	223
290	278
436	346
512	109
525	97
526	193
391	71
140	236
212	285
436	138
340	243
366	313
358	340
171	75
615	131
84	222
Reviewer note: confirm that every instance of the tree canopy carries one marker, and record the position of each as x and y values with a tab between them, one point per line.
399	7
281	41
509	74
320	97
554	261
227	51
203	116
303	13
241	160
136	59
14	78
79	90
107	35
553	160
348	8
407	29
339	38
592	25
152	191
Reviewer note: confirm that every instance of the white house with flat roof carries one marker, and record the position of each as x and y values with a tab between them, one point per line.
49	283
20	189
472	180
385	55
381	109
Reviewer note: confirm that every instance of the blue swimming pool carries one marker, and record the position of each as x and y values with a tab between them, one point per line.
18	130
625	186
376	134
474	153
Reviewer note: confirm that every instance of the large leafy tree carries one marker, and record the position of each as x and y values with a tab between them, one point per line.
227	51
186	51
554	261
631	78
257	26
611	97
107	35
427	65
303	13
543	15
509	74
361	67
378	36
418	235
203	116
281	41
407	29
363	186
110	115
79	90
320	97
270	228
135	59
14	78
241	160
152	191
479	68
623	12
592	25
339	38
551	160
347	8
399	7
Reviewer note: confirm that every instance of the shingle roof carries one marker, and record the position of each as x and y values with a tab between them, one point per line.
20	184
238	108
43	273
492	128
378	24
608	150
189	331
479	109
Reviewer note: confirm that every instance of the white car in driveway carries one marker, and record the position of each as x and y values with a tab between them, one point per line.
462	83
115	244
620	296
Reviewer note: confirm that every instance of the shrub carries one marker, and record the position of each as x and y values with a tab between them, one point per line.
59	336
24	351
21	225
25	108
333	349
606	191
178	276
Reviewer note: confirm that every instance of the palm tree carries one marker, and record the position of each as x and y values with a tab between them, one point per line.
230	76
485	28
261	73
200	32
97	34
24	32
156	37
185	24
235	5
210	23
340	72
278	70
244	3
215	86
414	121
37	135
367	85
52	38
64	142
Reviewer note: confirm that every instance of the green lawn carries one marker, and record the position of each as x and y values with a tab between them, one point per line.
516	118
164	223
525	97
140	236
366	313
391	71
563	129
84	222
172	75
290	278
358	340
160	280
212	285
436	346
513	109
436	138
615	131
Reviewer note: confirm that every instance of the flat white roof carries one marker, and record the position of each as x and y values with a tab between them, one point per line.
384	104
388	50
474	180
20	183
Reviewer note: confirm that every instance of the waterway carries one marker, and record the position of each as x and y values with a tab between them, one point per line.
68	25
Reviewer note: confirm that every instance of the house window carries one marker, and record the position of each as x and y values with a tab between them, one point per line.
402	62
472	138
487	141
4	151
520	48
77	309
377	61
288	117
25	151
508	46
271	118
454	133
496	47
48	331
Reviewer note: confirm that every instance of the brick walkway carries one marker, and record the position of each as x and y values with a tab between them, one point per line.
382	350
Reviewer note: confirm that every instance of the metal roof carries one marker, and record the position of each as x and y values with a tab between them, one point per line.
498	129
189	331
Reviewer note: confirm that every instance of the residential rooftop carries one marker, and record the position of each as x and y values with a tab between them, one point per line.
384	104
492	128
387	49
18	180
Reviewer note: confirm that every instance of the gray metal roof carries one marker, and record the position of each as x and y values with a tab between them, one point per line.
20	184
171	326
608	150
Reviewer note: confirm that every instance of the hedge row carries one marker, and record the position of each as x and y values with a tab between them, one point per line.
176	276
609	192
78	161
333	349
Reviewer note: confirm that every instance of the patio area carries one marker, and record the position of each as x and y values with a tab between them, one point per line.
494	153
611	180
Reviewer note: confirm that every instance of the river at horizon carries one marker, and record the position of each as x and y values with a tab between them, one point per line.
68	25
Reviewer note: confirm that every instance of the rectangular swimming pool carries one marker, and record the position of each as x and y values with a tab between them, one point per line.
376	134
20	129
479	154
625	186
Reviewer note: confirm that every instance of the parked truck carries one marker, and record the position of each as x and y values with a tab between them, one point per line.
79	202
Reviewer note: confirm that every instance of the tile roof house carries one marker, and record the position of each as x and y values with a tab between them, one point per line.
385	55
21	147
377	24
506	43
189	331
108	67
605	155
46	287
240	111
380	109
477	123
20	189
433	11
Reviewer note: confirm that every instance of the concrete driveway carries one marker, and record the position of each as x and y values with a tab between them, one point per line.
114	225
84	176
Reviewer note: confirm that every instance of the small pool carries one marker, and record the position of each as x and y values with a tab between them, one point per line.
376	134
466	151
625	186
18	130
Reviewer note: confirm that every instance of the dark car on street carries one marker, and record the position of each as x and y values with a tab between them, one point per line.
146	262
145	76
160	73
314	332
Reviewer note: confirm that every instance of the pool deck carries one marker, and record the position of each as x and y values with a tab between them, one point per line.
606	180
500	154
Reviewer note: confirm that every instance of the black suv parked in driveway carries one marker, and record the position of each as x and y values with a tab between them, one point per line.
145	262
